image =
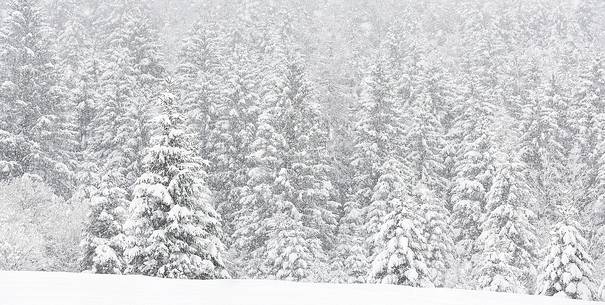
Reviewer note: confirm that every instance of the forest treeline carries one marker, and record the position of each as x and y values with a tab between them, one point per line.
422	143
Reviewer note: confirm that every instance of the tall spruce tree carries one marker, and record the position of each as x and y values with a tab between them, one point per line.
507	242
36	132
587	121
236	123
200	74
544	144
473	168
598	217
287	199
472	130
124	79
425	142
131	76
173	228
377	138
249	240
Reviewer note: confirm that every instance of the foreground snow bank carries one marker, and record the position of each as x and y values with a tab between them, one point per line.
34	288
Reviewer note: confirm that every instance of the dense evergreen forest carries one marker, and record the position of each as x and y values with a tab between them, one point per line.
434	143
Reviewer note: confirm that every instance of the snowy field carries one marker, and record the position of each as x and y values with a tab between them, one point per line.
32	288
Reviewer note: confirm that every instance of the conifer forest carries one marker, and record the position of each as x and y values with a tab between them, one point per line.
424	143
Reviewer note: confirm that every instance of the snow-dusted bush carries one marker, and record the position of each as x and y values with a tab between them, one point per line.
39	231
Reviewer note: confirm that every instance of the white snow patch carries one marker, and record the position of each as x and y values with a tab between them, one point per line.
37	288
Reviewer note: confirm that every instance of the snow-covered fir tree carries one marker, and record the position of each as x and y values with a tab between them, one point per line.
567	268
173	230
80	66
103	242
349	257
400	245
425	141
131	76
473	169
257	204
121	80
235	128
472	129
200	73
541	148
440	251
598	208
546	144
287	199
588	121
33	108
507	255
377	136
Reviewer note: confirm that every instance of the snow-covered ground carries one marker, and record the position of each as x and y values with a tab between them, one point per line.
31	288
